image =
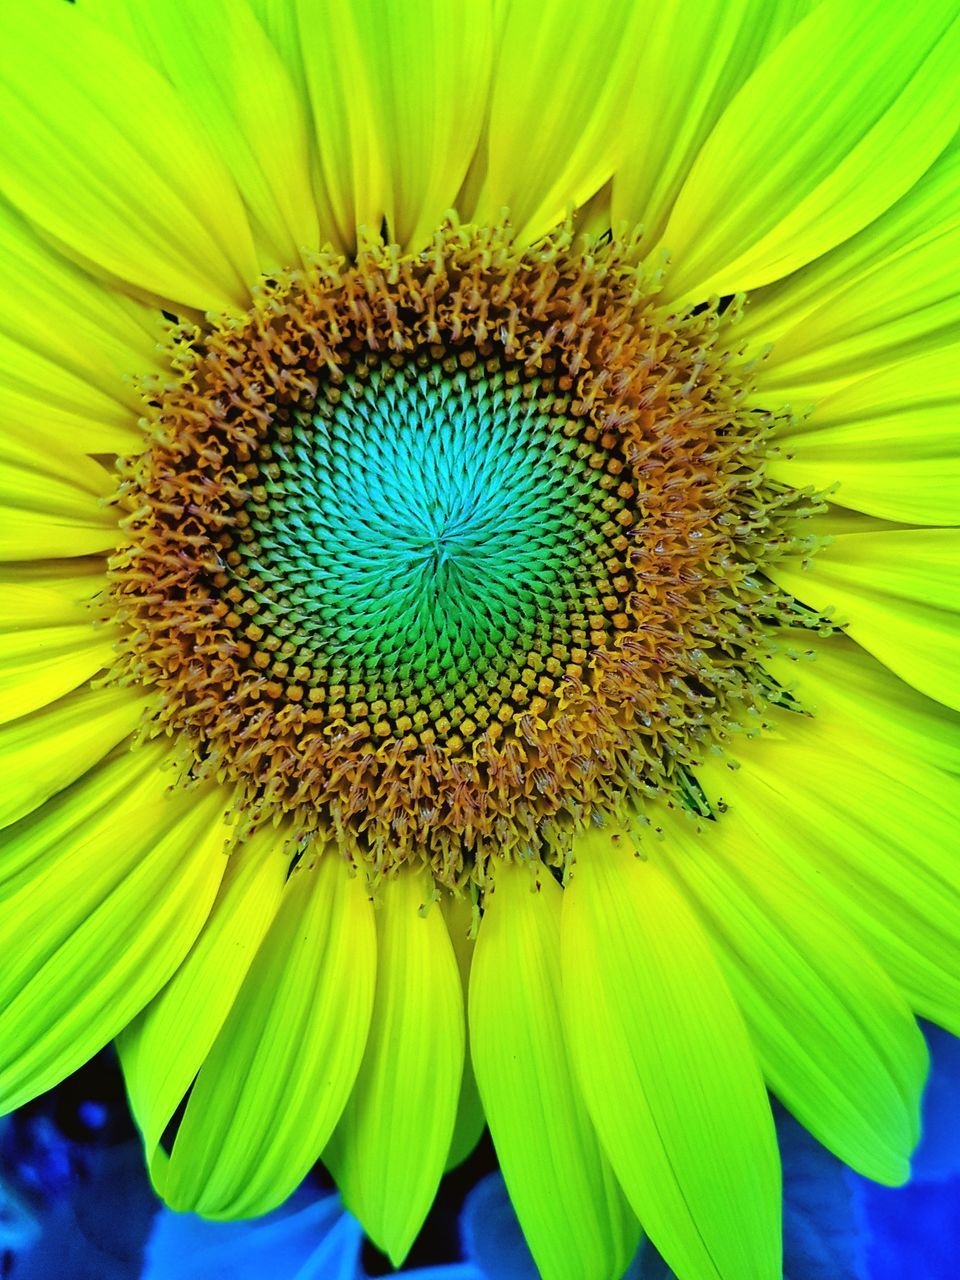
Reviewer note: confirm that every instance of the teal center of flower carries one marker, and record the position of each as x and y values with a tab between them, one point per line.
428	528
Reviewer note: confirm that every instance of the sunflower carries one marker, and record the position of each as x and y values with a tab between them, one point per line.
480	587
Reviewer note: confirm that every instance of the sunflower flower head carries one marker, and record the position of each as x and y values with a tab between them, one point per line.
478	507
449	555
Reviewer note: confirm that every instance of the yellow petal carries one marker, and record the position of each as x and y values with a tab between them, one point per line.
470	1121
668	1072
898	594
397	93
877	299
873	833
278	18
89	941
832	128
41	401
836	1040
242	102
835	677
693	57
162	1051
573	1214
99	152
69	349
48	646
52	503
389	1149
888	442
275	1083
559	93
79	577
69	818
47	750
280	21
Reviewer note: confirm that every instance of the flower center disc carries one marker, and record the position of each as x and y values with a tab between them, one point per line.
443	555
429	533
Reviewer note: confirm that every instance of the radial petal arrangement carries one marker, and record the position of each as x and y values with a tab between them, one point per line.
478	542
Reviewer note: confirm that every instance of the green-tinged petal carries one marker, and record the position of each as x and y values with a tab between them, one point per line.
48	645
44	402
100	153
51	503
555	132
80	576
667	1068
898	594
835	521
779	312
279	20
69	348
890	442
874	834
883	296
840	120
593	218
389	1149
836	1040
693	57
436	58
278	1076
835	677
227	72
164	1048
397	93
574	1216
470	1122
90	939
47	750
68	819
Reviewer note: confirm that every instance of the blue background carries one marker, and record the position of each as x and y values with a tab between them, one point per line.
75	1204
